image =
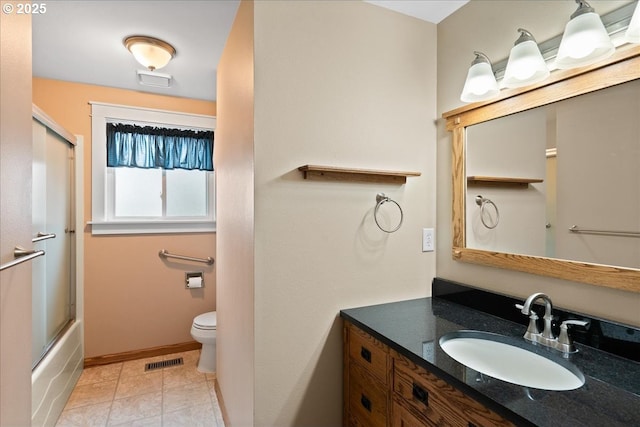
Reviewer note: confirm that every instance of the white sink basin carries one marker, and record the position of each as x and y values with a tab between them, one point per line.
503	358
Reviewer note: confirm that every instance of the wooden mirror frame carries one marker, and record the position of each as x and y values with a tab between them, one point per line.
622	67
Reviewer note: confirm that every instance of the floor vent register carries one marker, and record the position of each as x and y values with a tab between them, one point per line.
163	364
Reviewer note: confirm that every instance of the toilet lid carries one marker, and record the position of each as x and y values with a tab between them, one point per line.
205	321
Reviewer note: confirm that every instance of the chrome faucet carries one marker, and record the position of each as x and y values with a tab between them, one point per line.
547	334
546	338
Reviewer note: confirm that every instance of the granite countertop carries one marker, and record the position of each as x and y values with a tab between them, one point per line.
609	397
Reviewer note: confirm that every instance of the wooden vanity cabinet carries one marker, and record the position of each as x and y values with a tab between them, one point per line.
384	388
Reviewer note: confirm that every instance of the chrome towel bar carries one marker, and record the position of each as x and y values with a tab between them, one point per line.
21	255
164	254
577	229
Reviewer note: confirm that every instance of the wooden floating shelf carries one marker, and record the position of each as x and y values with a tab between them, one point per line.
329	173
494	181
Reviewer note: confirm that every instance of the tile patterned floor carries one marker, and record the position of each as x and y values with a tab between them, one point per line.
123	394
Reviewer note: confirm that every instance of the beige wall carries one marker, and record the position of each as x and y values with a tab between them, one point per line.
15	211
493	31
129	291
322	70
235	238
582	129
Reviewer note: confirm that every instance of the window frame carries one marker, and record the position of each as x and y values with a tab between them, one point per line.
101	223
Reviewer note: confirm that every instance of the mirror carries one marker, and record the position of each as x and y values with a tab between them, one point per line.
582	155
547	178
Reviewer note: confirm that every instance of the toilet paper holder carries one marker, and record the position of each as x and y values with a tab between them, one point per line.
194	279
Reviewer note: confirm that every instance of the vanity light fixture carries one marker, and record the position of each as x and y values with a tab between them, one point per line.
151	52
632	34
585	40
526	64
481	83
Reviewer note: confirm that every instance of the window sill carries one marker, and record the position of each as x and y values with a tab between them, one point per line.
151	227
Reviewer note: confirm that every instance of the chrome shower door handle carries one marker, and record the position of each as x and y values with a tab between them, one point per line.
19	252
43	236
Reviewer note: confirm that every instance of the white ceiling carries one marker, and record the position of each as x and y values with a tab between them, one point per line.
81	40
428	10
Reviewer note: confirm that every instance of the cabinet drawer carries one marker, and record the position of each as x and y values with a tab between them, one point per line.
438	401
402	417
367	398
369	352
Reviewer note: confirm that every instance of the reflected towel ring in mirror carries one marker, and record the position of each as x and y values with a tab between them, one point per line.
380	200
482	202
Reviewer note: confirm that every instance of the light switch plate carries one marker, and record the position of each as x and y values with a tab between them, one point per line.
428	237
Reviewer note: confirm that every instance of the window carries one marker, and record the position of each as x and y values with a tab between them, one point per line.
156	193
140	188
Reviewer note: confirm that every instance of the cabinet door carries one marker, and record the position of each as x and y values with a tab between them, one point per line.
367	397
370	353
366	380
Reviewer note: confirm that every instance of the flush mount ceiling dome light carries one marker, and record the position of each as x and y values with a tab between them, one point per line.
151	52
481	83
526	64
585	40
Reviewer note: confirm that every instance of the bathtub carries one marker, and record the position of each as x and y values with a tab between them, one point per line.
52	381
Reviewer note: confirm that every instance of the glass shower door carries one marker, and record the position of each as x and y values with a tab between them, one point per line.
53	279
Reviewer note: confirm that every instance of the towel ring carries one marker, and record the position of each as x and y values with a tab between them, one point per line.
380	200
483	202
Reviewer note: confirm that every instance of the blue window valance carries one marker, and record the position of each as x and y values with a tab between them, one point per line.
152	147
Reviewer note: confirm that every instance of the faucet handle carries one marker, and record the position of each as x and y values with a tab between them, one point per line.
532	329
576	322
565	342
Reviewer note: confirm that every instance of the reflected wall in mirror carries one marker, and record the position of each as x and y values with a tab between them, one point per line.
563	154
586	153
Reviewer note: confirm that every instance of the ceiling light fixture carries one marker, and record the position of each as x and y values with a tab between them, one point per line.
526	64
585	40
633	32
151	52
481	83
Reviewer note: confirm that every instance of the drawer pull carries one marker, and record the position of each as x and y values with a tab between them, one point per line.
420	394
366	354
366	403
471	424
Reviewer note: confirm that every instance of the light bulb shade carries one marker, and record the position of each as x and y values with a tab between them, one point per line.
150	52
481	83
525	65
632	35
585	41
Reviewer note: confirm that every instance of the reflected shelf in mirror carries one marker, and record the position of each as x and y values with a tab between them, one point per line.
497	181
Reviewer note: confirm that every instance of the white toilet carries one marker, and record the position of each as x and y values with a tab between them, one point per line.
203	330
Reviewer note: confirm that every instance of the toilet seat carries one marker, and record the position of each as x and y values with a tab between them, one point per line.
206	321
